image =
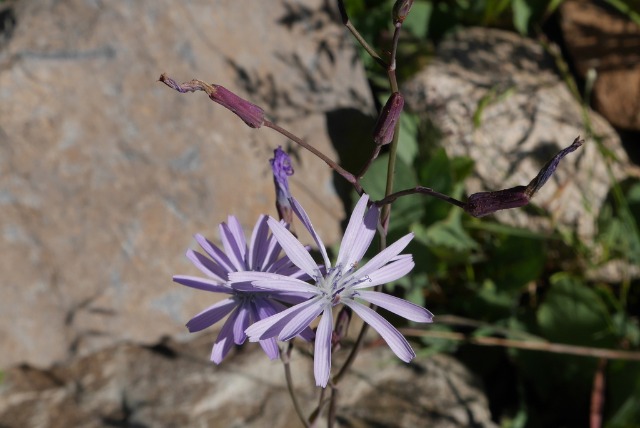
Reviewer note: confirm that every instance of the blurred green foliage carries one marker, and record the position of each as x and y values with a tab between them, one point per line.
514	283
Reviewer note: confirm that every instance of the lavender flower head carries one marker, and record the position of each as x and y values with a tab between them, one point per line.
245	303
345	283
282	170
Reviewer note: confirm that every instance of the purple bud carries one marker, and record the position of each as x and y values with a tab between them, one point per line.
400	10
282	170
386	124
251	114
484	203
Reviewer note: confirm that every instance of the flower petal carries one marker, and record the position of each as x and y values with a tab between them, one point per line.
273	281
359	233
301	321
322	354
259	244
224	342
304	218
294	249
238	235
271	326
231	248
391	272
202	284
211	315
396	305
270	347
207	266
215	253
384	256
389	333
241	324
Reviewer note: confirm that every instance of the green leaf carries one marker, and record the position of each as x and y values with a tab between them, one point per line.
573	313
623	394
417	23
516	262
408	142
446	238
521	15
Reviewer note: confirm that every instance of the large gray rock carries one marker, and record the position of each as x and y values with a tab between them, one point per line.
171	385
106	174
528	116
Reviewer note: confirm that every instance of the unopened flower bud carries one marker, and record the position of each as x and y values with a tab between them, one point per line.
400	10
386	124
484	203
251	114
282	170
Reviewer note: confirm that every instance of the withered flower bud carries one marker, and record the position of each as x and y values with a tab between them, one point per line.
282	170
484	203
400	10
250	114
386	124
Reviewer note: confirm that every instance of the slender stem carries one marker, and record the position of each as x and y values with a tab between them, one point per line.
394	47
393	148
421	190
332	407
374	156
597	395
337	168
286	358
347	23
556	348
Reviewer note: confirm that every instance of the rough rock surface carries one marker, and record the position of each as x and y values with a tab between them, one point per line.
170	385
528	116
605	40
105	174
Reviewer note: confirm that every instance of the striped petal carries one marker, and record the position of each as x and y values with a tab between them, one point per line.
224	342
202	284
359	233
396	305
322	354
389	333
389	273
384	256
273	281
294	249
211	315
304	218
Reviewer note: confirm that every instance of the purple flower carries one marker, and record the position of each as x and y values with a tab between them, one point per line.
282	170
246	304
344	283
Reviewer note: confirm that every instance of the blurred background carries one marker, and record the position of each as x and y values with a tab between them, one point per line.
106	174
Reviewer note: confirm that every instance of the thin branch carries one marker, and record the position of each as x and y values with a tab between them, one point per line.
347	23
421	190
556	348
286	358
337	168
